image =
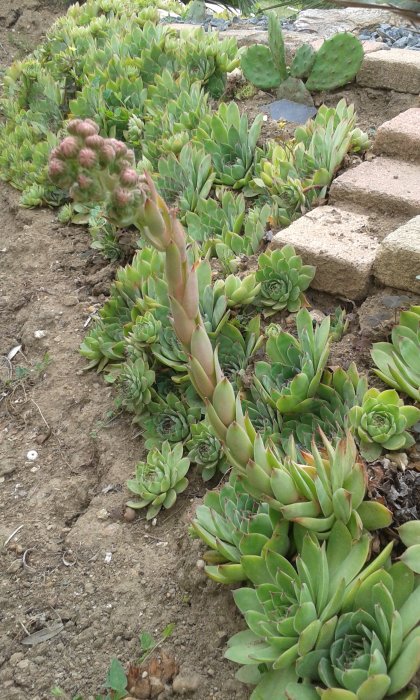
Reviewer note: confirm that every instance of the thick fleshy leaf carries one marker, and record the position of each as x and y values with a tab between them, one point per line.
411	558
273	684
405	667
410	533
374	515
337	694
374	688
298	691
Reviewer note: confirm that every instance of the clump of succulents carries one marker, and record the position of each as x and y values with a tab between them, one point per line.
160	479
290	379
330	624
360	639
381	423
296	175
283	280
231	143
232	524
398	362
187	179
236	349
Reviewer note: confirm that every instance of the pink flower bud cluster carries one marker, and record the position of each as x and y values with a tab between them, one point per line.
83	158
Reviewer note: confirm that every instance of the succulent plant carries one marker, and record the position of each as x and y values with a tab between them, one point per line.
206	451
336	63
292	612
172	111
247	243
381	423
211	218
168	350
290	380
337	393
296	174
398	361
241	291
160	479
231	144
144	331
185	180
135	380
339	324
409	534
232	524
170	420
283	280
103	345
235	349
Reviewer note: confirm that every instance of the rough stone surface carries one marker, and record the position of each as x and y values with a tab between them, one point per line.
326	23
398	258
383	184
336	242
393	69
400	137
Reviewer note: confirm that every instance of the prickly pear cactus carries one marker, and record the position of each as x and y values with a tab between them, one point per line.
336	63
303	61
259	68
276	44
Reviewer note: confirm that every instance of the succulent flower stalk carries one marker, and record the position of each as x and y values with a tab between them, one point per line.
328	487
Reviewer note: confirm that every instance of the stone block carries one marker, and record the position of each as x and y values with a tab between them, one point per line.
394	69
400	137
398	258
380	185
337	243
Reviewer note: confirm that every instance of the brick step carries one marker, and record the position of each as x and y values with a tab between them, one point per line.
381	185
398	258
392	69
400	137
337	243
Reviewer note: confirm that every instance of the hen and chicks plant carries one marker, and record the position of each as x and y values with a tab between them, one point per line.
308	637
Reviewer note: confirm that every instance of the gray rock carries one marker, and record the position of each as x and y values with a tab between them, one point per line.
290	111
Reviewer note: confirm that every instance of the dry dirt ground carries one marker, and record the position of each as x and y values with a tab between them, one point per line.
73	561
47	277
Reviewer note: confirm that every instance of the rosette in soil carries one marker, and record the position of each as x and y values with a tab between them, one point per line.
381	423
283	280
160	479
206	451
169	419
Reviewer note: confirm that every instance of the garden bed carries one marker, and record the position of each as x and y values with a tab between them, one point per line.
74	559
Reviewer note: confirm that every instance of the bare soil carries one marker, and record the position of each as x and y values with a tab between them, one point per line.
73	559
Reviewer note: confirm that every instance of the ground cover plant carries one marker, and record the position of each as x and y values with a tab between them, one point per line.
155	90
326	618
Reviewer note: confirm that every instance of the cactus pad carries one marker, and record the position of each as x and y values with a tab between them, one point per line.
258	67
303	61
336	63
